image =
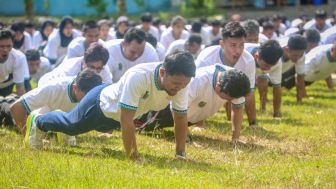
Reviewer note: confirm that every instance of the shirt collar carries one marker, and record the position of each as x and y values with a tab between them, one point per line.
70	93
215	75
156	77
329	57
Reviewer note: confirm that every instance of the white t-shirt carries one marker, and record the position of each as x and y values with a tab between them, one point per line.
274	74
318	64
181	44
27	43
53	49
203	100
45	67
71	67
212	36
287	65
161	51
77	47
167	37
138	90
312	25
15	64
152	30
117	62
57	94
212	55
329	36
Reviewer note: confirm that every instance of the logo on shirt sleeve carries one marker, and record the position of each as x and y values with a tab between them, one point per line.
146	95
202	104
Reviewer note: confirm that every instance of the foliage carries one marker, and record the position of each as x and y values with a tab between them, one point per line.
99	5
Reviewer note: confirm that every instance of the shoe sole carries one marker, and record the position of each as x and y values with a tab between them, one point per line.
28	129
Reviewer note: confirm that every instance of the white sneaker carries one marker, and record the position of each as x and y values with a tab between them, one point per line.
67	140
34	136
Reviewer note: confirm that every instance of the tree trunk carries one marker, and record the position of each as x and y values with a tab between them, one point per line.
29	9
121	7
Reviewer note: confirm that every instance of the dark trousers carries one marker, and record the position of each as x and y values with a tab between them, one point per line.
9	89
85	117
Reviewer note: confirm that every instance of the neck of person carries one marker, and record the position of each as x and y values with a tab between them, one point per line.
226	61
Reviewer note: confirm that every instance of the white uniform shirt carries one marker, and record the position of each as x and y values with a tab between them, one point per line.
71	67
138	90
45	67
117	62
329	36
167	37
318	64
77	47
274	74
203	100
15	64
57	94
27	43
161	51
288	64
312	25
53	49
212	55
152	30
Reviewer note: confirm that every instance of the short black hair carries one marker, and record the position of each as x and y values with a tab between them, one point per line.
180	62
151	40
321	13
267	25
87	79
195	39
6	34
176	20
196	27
96	52
234	83
91	24
276	17
233	29
146	17
156	21
18	26
297	42
32	55
312	36
270	52
215	23
135	34
251	27
30	24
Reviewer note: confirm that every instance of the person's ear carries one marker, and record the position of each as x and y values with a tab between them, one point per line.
221	43
74	88
256	56
162	72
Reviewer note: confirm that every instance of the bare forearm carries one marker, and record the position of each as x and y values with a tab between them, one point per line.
20	90
18	114
277	101
237	119
128	136
251	107
181	124
300	88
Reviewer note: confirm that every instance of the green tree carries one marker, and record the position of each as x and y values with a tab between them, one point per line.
29	12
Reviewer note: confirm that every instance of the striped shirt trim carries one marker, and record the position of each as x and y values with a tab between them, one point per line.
127	106
70	94
180	111
156	77
25	105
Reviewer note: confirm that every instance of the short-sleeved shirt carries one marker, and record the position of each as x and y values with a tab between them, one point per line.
274	74
138	89
329	36
152	30
56	95
45	67
212	55
288	64
53	49
27	43
312	25
15	64
77	47
318	63
203	100
71	67
161	51
119	64
167	37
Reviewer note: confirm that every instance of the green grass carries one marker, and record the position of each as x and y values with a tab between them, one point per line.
297	152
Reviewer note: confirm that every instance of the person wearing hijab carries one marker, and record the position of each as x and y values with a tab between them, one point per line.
40	37
59	40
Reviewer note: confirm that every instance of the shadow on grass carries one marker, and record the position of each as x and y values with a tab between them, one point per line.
151	160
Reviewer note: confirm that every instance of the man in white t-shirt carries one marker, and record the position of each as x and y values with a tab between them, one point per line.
143	88
59	94
320	63
78	45
175	32
214	32
211	88
146	26
252	31
193	44
13	66
130	51
329	36
38	66
268	68
294	48
319	22
231	52
95	57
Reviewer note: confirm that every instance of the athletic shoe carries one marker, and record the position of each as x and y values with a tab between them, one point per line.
34	136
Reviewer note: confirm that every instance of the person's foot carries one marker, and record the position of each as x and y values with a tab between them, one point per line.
198	129
34	136
238	141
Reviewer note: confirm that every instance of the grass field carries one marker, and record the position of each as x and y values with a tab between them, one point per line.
298	151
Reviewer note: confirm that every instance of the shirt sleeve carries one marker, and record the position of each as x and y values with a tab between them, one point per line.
37	98
20	69
276	74
50	51
180	101
238	102
299	66
133	89
106	75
